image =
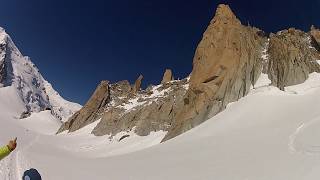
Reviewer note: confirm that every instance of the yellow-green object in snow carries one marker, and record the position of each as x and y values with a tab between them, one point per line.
4	151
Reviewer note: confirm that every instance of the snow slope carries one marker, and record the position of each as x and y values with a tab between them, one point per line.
269	134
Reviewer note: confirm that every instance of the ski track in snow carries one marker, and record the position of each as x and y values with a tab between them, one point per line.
301	140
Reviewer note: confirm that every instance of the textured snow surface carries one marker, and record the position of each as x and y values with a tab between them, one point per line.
88	145
269	134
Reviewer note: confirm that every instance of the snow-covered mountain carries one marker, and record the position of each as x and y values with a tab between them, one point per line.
269	134
35	92
229	59
249	110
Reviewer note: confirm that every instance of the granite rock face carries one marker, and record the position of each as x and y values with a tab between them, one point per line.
91	111
167	76
137	84
228	61
291	58
149	110
315	33
119	109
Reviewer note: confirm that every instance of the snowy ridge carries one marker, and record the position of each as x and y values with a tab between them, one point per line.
142	99
36	93
60	107
158	91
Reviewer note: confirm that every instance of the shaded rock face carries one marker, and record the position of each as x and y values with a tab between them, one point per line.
226	63
167	76
2	64
150	110
315	33
291	58
119	109
90	111
4	76
137	84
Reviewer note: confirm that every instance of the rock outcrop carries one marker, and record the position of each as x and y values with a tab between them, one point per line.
226	63
315	33
119	110
2	62
2	71
150	110
137	84
167	76
91	111
291	58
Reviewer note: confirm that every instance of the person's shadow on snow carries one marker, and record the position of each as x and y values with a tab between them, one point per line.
31	174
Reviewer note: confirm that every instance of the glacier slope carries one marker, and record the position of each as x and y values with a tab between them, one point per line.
269	134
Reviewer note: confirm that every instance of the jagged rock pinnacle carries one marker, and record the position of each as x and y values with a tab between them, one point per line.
137	84
167	76
224	14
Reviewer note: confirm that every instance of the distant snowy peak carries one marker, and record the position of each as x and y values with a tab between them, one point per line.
36	93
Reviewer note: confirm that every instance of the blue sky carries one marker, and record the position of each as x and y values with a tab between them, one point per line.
76	44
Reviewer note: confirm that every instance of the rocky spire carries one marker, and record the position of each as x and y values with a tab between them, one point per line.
89	111
137	84
225	15
227	61
167	76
